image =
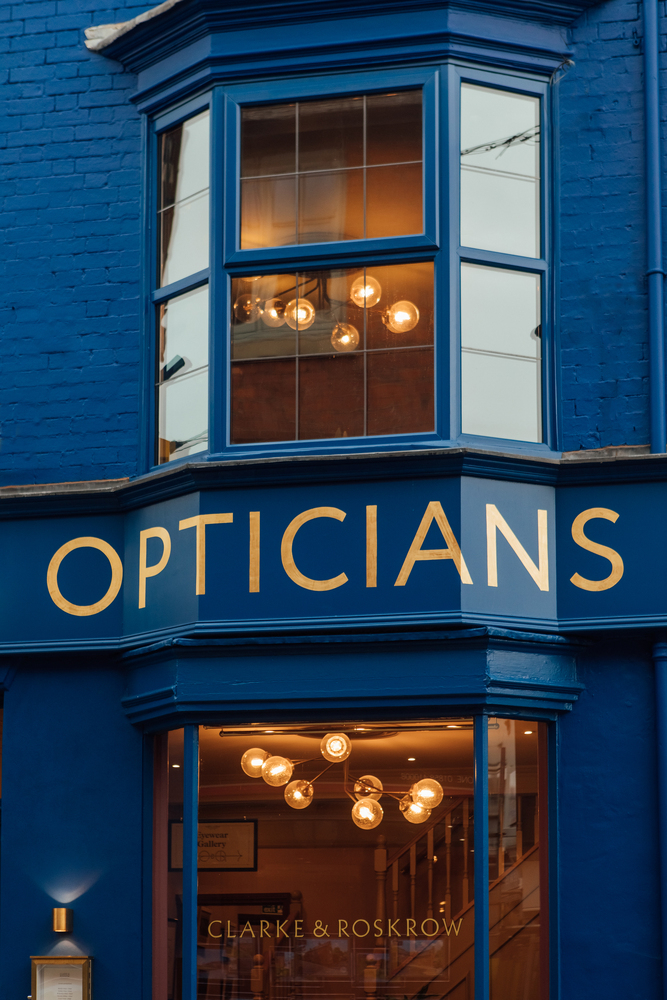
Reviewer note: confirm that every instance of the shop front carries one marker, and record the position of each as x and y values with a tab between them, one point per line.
318	728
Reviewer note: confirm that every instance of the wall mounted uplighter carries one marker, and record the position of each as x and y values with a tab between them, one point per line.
63	919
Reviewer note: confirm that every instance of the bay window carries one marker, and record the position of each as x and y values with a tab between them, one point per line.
353	860
370	263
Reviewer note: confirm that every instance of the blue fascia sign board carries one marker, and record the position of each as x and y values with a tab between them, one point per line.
450	550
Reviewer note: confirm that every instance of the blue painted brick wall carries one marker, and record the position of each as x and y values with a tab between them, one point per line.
603	327
70	257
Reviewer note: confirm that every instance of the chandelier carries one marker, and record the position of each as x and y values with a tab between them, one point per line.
365	292
415	805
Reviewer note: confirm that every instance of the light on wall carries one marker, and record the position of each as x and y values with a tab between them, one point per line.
63	919
416	805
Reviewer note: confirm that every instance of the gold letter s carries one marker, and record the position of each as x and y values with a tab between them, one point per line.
600	550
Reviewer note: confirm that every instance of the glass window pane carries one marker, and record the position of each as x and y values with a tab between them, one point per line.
183	407
296	901
263	401
268	210
380	316
183	375
501	370
394	127
259	329
317	188
517	860
184	217
331	206
183	334
400	391
394	201
331	396
268	140
500	171
331	134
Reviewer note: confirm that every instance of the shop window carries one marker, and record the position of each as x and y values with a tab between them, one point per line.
359	284
349	863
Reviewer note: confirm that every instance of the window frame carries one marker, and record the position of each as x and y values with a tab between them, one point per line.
439	243
480	719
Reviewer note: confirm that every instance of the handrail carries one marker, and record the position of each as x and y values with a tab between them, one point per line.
423	829
459	916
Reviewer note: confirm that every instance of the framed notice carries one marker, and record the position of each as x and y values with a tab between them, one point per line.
66	977
228	845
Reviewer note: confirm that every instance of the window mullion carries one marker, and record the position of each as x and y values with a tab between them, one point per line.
482	977
190	831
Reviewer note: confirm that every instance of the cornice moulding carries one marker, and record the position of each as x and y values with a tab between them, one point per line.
177	23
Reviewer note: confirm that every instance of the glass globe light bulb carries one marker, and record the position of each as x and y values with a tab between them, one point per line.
368	787
427	792
365	291
345	337
413	811
299	794
301	313
277	770
252	761
246	308
402	316
367	814
273	313
335	747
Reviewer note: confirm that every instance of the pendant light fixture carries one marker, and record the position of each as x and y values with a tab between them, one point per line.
416	805
299	313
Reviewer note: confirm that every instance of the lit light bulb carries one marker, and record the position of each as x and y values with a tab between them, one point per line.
365	291
252	761
335	746
273	313
401	317
414	812
427	792
368	787
367	814
299	794
301	313
345	337
246	308
277	770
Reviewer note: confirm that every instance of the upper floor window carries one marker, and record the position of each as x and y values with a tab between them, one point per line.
349	276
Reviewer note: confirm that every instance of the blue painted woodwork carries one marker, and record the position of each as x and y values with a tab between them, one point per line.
83	696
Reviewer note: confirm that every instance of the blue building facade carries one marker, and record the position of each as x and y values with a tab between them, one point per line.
333	424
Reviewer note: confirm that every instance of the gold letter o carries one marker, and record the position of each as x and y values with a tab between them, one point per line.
86	542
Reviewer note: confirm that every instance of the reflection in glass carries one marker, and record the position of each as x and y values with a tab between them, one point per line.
183	375
501	369
332	354
500	171
336	169
183	216
169	800
517	860
323	868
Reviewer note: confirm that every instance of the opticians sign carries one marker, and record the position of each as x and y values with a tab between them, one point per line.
436	551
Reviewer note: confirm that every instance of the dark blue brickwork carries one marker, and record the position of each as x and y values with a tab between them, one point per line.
603	328
69	248
70	252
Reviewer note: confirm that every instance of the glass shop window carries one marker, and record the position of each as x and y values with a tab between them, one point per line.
340	864
338	169
182	320
337	353
501	326
342	352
